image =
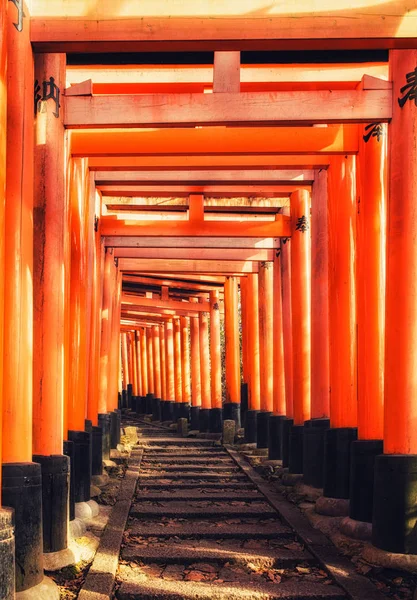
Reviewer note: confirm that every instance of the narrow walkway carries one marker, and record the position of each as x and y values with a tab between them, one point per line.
198	528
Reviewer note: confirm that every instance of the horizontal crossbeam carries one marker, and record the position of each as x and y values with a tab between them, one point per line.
187	266
196	254
190	242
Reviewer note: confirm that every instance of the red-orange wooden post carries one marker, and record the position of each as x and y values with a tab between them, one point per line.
144	368
266	339
254	389
278	391
314	429
151	374
138	367
50	219
342	325
163	363
185	367
370	283
394	517
130	361
215	359
125	364
245	349
204	371
168	407
301	323
113	398
195	372
156	414
106	315
135	368
177	367
231	408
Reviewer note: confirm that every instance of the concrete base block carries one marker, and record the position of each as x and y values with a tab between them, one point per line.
95	508
358	530
100	480
45	590
182	427
109	464
76	529
247	447
390	560
82	550
82	510
94	491
260	452
291	479
132	433
332	507
311	493
229	430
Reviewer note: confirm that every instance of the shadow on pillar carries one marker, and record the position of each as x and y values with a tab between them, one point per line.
115	428
231	412
337	444
251	426
104	423
262	429
119	400
7	551
275	437
286	425
22	491
313	451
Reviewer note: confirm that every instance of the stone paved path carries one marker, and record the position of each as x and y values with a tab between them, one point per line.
199	529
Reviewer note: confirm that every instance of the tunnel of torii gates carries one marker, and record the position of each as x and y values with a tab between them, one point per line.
143	207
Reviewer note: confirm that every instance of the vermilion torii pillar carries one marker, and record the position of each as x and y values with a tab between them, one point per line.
50	216
185	368
168	406
245	362
151	377
231	407
275	421
177	368
254	388
394	516
342	209
314	429
156	412
205	372
216	413
266	349
370	282
195	373
144	369
301	323
139	367
163	363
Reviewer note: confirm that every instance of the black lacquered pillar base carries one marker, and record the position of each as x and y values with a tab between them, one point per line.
194	418
313	451
243	402
286	425
231	412
274	437
69	452
167	410
149	404
216	420
363	455
115	428
124	399
184	411
80	465
129	395
104	423
97	451
55	501
22	491
295	462
204	420
251	426
156	409
337	443
262	429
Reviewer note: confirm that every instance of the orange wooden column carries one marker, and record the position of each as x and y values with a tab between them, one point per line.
245	348
266	356
144	362
287	320
169	358
195	362
150	361
342	208
138	362
205	366
113	397
216	368
278	341
253	342
163	362
177	360
135	364
18	246
301	322
232	346
125	363
50	212
157	360
185	360
3	134
106	322
394	517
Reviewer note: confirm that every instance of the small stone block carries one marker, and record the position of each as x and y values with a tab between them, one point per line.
358	530
332	507
182	427
229	430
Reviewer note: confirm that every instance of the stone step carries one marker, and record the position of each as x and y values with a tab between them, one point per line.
185	485
209	496
169	460
181	442
179	475
231	468
181	509
213	530
162	589
203	453
190	551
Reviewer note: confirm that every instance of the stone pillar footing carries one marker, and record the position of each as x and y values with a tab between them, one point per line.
394	507
274	437
332	507
45	590
115	428
156	409
86	510
7	571
362	467
194	418
104	423
55	500
337	443
22	491
80	465
286	425
358	530
262	429
251	426
204	420
216	420
229	432
231	412
295	464
313	451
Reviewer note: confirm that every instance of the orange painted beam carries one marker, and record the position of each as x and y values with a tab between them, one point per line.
226	190
18	247
252	323
301	305
231	337
320	376
334	139
50	210
147	265
342	209
266	335
134	300
177	360
185	360
278	340
204	359
215	351
287	322
169	348
207	176
191	243
239	254
156	347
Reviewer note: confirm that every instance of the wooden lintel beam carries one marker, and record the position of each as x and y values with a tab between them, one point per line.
190	242
111	226
208	176
187	266
163	304
226	72
163	312
196	254
214	191
247	108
